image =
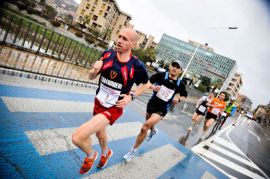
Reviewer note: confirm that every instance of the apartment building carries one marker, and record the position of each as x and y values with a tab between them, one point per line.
244	102
102	15
234	85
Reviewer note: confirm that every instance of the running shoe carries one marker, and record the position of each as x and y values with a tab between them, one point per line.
203	137
88	163
130	155
151	134
190	129
104	159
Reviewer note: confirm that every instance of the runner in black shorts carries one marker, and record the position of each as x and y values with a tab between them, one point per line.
201	109
216	107
168	89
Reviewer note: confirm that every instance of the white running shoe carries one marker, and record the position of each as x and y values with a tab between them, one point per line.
203	137
190	129
151	134
130	155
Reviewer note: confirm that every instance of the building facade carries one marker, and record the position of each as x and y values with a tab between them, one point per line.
205	62
244	102
102	15
234	85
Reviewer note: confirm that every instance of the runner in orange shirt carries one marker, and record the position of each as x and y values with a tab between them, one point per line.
216	107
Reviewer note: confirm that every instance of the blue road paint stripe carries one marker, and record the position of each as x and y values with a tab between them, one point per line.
3	107
17	153
12	91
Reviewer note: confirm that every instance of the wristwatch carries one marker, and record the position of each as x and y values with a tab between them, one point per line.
132	96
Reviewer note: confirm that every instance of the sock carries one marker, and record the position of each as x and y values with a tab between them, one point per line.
105	152
91	155
193	123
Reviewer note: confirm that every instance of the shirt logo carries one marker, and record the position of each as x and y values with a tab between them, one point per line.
113	74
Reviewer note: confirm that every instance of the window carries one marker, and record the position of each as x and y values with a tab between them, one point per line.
87	6
82	12
103	6
94	25
105	14
100	13
93	9
95	18
108	8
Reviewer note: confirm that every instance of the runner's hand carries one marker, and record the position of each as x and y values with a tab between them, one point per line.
175	101
98	64
155	88
123	102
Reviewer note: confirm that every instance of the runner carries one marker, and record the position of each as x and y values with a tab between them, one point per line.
201	109
118	70
168	90
230	110
216	107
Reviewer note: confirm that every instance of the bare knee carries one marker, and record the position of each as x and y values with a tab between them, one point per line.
76	139
101	135
145	128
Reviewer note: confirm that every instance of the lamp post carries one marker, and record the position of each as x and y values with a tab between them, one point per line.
195	51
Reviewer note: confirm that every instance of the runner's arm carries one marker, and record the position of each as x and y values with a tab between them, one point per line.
96	69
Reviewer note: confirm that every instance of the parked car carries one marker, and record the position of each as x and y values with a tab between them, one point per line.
249	115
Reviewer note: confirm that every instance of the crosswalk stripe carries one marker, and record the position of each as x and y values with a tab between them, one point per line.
15	104
58	140
157	161
228	145
228	163
208	175
232	155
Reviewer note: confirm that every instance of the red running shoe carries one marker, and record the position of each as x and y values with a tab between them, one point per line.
88	163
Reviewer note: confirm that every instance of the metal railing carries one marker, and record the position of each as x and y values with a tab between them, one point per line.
26	34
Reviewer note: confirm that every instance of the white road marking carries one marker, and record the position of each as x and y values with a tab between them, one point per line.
232	155
15	104
58	140
228	145
208	175
258	138
157	161
228	163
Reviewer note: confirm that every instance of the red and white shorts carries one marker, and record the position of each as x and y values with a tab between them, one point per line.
112	113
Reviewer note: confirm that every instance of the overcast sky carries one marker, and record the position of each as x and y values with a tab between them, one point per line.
205	21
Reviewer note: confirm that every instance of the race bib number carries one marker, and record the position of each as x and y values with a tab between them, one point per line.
165	93
202	109
215	111
107	96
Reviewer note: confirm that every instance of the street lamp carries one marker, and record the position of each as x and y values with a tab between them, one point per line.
195	51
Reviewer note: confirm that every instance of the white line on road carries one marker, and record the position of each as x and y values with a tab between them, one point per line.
258	138
232	155
228	163
58	140
149	165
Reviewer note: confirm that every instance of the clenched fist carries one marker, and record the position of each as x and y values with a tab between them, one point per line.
98	64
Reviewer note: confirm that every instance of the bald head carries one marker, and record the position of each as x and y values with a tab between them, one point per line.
126	41
131	33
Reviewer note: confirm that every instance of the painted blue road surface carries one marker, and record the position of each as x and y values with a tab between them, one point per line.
35	139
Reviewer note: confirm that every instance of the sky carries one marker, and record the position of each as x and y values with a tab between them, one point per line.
207	21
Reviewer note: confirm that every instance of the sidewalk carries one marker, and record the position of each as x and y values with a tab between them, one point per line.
37	119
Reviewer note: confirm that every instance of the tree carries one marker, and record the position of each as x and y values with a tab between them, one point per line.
147	55
217	84
106	33
50	11
84	20
68	19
